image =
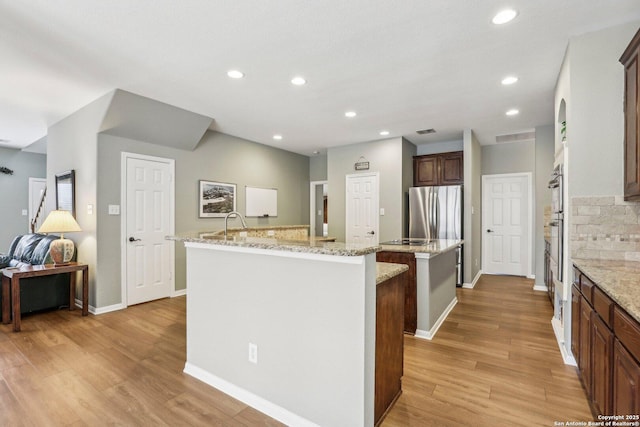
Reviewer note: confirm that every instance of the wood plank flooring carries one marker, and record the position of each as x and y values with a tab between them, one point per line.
494	362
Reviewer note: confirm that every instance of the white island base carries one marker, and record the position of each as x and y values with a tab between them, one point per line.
311	318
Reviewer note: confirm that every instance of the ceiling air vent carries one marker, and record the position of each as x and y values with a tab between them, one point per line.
425	131
529	135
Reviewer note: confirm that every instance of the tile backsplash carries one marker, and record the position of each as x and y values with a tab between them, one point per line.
605	227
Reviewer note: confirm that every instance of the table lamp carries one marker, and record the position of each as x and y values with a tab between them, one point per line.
61	250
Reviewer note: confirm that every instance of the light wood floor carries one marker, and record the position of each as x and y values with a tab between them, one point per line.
494	362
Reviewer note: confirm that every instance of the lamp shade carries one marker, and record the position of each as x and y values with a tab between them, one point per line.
59	222
61	250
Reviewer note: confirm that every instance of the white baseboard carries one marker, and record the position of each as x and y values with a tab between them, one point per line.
531	276
428	335
567	357
274	411
473	283
179	293
540	288
102	310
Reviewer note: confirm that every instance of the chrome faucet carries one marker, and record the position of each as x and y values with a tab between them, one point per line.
226	218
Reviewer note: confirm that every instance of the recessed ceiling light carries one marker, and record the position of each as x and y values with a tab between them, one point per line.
298	81
509	80
384	132
235	74
350	114
512	112
504	16
277	137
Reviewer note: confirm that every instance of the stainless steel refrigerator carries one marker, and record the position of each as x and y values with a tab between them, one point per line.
436	213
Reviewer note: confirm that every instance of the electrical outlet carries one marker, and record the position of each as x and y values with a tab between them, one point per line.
243	234
271	233
25	212
253	353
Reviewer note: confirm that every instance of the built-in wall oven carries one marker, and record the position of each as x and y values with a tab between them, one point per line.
556	226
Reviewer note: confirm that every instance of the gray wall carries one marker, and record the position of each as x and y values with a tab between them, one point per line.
72	144
595	124
15	188
218	157
440	147
385	157
472	231
318	168
508	158
544	166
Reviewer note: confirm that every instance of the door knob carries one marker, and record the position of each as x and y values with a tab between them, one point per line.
371	232
131	239
489	231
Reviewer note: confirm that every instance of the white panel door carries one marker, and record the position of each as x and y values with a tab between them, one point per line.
149	207
505	224
362	209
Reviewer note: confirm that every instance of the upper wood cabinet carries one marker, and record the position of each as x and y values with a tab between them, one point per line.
631	120
438	169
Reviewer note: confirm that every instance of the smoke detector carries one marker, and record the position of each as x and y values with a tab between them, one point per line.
425	131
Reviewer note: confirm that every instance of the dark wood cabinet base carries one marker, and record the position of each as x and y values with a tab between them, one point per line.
411	289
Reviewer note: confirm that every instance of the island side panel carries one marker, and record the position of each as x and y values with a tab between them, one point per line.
436	282
312	320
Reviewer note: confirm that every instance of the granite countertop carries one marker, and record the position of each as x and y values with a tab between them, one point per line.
388	270
618	279
434	247
311	246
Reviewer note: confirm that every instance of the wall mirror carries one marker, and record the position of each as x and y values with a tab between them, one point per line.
66	192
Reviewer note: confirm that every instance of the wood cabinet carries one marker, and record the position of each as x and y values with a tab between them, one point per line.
601	364
631	119
605	341
389	344
438	169
411	286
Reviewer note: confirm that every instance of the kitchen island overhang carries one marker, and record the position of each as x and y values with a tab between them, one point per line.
309	310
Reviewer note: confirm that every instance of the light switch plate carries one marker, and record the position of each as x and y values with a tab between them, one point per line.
114	209
89	209
381	211
25	212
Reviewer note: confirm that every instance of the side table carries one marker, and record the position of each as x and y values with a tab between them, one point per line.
11	287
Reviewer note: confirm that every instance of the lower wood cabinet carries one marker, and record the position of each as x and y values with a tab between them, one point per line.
605	341
626	382
389	344
601	363
411	286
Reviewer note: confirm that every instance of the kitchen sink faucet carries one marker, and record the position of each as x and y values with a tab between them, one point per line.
226	218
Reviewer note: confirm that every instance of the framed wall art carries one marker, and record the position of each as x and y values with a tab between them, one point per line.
216	199
66	191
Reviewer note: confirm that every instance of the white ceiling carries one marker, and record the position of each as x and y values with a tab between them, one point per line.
403	65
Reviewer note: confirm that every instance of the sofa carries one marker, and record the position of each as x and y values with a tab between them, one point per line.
36	293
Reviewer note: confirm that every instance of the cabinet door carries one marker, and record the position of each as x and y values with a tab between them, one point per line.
575	323
585	344
451	168
601	358
411	286
626	382
631	120
425	171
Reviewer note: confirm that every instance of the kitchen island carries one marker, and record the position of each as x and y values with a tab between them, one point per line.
430	294
288	327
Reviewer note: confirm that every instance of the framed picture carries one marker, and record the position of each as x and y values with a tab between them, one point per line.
217	199
66	191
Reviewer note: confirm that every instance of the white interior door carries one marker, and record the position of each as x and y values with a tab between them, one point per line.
506	224
362	209
148	220
37	187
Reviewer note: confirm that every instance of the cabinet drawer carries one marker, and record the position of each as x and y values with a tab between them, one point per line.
603	306
576	277
586	287
627	331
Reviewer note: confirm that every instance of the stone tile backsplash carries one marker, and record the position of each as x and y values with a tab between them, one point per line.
605	228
